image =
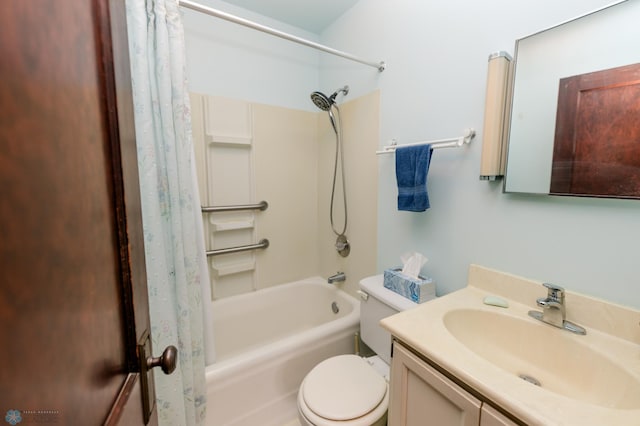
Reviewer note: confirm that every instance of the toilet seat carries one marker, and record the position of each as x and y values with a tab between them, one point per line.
343	390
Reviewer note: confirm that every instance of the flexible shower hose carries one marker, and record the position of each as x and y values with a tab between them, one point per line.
339	153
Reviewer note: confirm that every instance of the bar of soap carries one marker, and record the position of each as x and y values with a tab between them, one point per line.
496	301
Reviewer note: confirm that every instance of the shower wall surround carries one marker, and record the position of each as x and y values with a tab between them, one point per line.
247	152
223	140
360	126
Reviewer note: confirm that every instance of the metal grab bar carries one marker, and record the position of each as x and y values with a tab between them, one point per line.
262	244
262	205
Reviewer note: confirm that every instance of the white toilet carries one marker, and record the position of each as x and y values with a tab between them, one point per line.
349	390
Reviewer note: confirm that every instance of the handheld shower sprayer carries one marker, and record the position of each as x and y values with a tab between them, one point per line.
325	102
328	104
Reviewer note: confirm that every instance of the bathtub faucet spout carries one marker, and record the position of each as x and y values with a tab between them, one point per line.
340	276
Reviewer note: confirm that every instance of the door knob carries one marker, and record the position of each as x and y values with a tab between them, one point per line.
167	361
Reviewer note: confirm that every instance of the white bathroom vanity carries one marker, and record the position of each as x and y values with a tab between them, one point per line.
459	361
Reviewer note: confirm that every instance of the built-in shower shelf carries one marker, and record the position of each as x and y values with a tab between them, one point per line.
221	271
237	141
231	225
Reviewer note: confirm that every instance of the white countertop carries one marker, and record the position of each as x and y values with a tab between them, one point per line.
612	330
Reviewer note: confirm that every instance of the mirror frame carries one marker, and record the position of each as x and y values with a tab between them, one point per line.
573	47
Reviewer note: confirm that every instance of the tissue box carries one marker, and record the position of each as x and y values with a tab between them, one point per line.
416	289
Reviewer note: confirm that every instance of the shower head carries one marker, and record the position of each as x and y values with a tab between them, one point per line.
322	101
325	102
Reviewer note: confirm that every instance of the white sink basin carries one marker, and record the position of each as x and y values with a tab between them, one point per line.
554	358
589	380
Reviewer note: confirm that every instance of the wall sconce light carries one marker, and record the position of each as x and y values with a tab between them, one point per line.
496	116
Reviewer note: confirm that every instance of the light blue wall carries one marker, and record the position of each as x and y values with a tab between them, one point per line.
434	88
226	59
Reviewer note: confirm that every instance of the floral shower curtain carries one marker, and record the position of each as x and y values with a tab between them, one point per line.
174	243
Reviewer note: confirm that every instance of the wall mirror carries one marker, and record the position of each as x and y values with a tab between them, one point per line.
601	140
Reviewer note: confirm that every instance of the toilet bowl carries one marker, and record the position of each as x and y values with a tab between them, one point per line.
348	390
343	390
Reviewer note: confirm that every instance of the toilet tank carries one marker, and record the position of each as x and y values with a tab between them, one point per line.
376	303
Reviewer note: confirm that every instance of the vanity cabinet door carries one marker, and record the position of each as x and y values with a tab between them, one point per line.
492	417
422	396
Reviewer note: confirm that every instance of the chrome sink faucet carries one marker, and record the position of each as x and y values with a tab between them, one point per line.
554	310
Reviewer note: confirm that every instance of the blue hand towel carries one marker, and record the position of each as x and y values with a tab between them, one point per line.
412	165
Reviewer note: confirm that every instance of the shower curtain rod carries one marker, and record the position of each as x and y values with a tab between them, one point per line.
380	66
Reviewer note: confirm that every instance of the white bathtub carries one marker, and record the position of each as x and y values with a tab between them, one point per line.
266	342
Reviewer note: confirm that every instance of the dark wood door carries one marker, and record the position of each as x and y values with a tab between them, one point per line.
596	151
73	298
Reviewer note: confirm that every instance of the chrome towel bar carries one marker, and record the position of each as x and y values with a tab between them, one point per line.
262	244
262	205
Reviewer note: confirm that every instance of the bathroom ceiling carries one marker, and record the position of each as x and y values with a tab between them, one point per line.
310	15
